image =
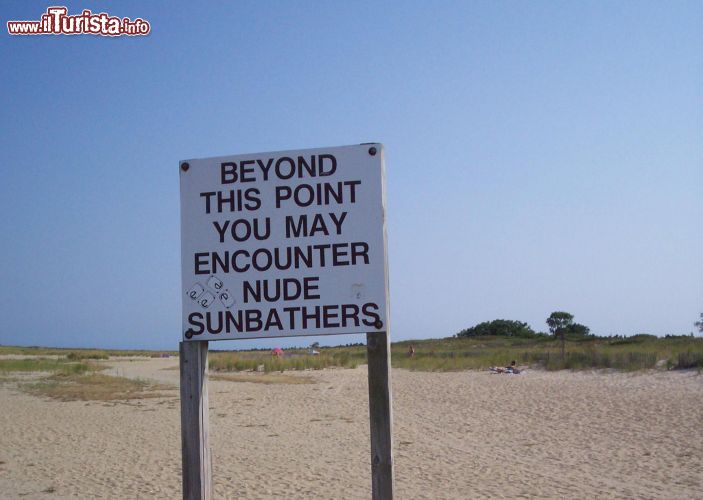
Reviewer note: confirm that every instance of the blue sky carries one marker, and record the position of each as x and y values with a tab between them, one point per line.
540	156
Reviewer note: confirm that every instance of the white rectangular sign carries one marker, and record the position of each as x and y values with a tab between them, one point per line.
287	243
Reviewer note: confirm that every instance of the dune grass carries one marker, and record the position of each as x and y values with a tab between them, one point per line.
79	353
624	354
640	352
61	365
68	380
264	378
93	387
264	361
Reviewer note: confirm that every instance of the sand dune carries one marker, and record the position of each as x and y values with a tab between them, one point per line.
457	435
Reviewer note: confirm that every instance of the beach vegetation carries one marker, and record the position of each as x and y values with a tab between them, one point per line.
295	359
81	353
94	386
499	328
640	352
78	355
505	341
68	380
559	323
49	365
264	378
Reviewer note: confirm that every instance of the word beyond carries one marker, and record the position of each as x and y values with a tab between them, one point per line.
284	168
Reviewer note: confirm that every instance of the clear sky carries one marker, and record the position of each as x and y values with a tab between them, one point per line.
540	156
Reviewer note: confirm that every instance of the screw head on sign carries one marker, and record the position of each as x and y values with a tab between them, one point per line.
185	166
189	334
378	325
372	151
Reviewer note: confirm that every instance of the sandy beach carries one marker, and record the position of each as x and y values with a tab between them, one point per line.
457	435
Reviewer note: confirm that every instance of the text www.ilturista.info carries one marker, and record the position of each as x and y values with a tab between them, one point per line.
56	21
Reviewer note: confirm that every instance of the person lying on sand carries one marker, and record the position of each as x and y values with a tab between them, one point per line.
508	369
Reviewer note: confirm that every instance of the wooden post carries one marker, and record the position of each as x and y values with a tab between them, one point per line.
381	416
195	427
563	348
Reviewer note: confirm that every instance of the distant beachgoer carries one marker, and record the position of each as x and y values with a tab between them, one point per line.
508	369
411	351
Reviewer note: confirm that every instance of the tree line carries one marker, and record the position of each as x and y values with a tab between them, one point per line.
561	325
559	322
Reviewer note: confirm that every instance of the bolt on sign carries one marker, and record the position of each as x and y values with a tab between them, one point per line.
287	243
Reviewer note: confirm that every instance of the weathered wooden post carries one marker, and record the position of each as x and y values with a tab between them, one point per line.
380	415
195	427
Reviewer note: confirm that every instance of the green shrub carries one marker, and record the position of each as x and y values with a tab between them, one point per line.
77	356
688	359
499	328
